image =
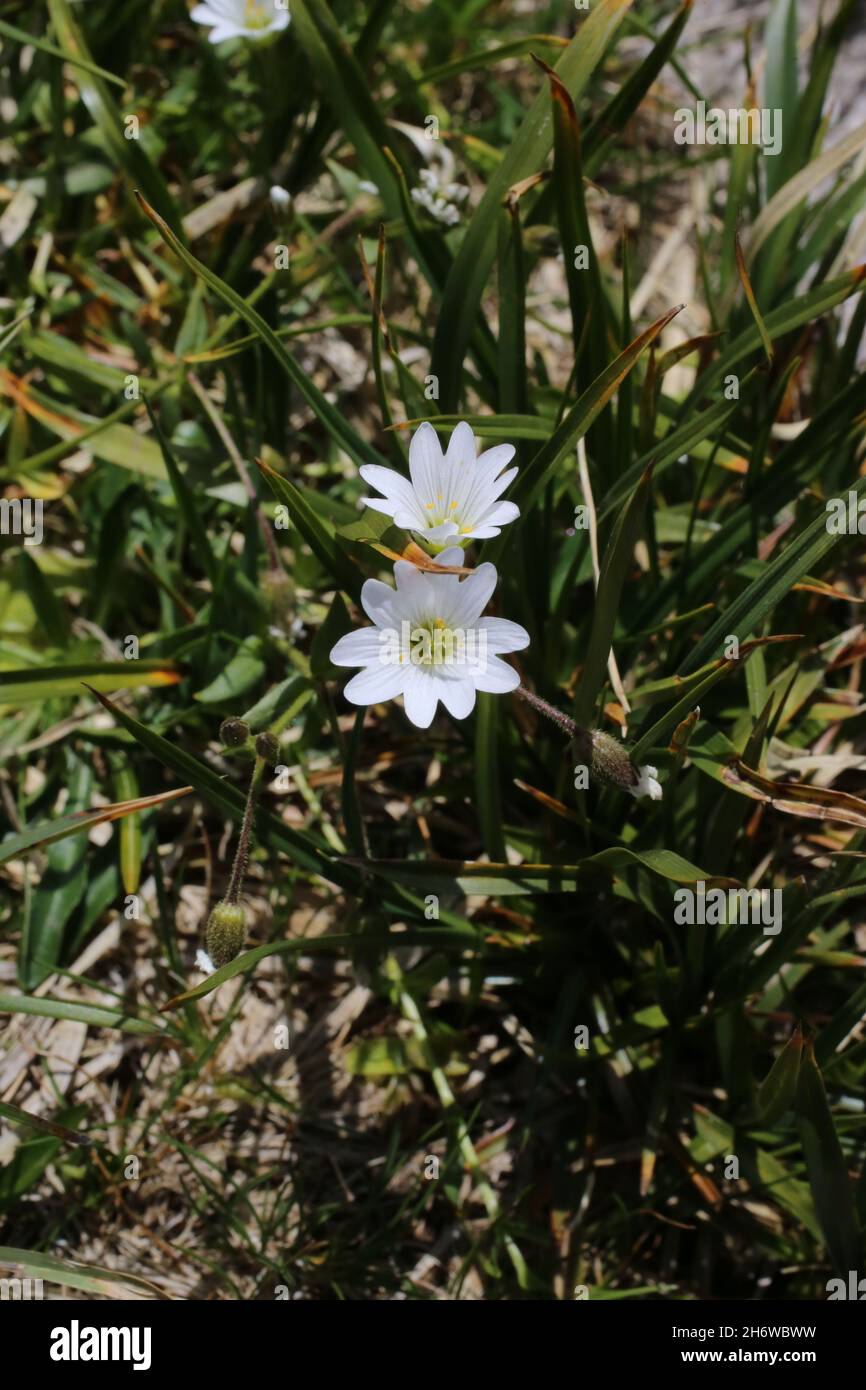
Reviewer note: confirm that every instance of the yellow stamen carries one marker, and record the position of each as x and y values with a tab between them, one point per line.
255	15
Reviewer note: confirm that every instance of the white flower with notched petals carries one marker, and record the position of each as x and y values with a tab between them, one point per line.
453	497
242	19
648	784
429	642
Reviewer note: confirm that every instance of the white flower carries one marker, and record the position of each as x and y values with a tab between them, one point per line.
429	642
242	19
204	962
280	197
440	198
648	785
452	497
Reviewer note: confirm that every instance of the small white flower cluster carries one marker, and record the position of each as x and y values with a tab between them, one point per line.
440	199
429	641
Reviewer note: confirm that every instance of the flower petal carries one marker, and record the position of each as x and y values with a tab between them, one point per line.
497	677
445	532
413	595
426	464
458	696
420	698
222	31
501	513
502	635
648	784
394	488
472	596
362	648
375	683
378	602
461	446
452	555
380	504
491	463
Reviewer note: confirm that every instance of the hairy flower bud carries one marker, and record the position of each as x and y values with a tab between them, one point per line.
609	761
268	747
225	933
234	733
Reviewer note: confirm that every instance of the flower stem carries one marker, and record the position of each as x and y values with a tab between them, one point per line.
562	721
242	853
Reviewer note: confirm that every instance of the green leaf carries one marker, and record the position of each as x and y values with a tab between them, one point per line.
52	682
779	1088
780	83
240	675
488	791
320	535
602	133
542	466
60	890
742	616
48	832
49	1127
618	557
468	276
107	1283
189	507
503	880
128	154
10	31
334	420
827	1168
437	937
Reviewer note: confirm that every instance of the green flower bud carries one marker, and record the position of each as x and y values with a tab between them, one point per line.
234	733
225	933
268	747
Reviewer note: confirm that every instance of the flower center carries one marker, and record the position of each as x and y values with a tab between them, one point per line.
431	643
442	511
256	15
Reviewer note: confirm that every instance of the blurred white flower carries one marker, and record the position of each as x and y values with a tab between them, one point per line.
281	198
648	785
440	199
204	962
429	642
241	19
453	497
